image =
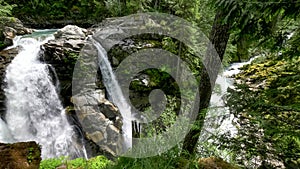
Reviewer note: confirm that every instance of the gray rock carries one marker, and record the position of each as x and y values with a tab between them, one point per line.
62	54
16	24
9	34
100	120
9	28
71	32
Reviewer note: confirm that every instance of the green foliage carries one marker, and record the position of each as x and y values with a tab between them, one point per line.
51	163
268	111
98	162
257	24
5	8
166	119
70	57
2	45
168	160
30	155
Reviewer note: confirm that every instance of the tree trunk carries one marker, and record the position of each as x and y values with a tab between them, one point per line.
219	37
242	47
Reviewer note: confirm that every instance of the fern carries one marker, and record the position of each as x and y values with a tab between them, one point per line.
5	8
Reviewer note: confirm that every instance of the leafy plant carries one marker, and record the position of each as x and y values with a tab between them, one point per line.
5	8
51	163
268	112
99	162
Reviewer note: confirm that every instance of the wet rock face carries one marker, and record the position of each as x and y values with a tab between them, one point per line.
6	56
62	54
100	119
23	155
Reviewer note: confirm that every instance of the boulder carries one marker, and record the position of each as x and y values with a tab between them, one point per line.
9	28
9	34
71	32
16	24
214	163
23	155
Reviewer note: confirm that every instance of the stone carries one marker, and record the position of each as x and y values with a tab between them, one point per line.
101	121
214	163
71	32
10	32
97	136
9	28
22	155
62	54
16	24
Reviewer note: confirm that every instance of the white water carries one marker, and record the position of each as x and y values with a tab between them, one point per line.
115	94
5	135
219	120
34	111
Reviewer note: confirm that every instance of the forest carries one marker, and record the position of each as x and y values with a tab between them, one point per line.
262	99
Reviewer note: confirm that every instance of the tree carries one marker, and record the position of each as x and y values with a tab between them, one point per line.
219	38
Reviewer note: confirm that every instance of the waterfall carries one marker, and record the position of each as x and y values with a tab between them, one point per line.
115	94
34	111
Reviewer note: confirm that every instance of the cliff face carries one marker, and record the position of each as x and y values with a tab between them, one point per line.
23	155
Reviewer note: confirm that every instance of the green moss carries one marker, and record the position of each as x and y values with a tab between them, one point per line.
70	57
213	162
2	45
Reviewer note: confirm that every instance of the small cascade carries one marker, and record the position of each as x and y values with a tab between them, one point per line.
115	94
34	111
219	120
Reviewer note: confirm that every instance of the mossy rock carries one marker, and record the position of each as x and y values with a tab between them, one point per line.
215	163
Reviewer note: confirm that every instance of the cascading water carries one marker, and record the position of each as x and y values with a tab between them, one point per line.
34	111
5	135
218	111
115	94
219	120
